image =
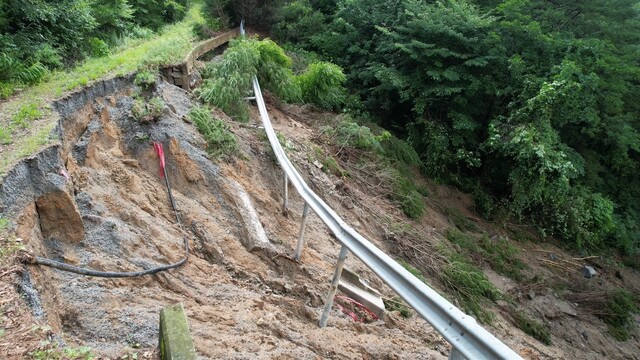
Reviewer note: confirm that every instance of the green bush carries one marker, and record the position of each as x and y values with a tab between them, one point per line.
400	150
349	133
227	82
460	220
12	70
405	193
323	84
221	142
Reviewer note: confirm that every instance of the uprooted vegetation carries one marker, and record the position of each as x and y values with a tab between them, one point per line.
227	81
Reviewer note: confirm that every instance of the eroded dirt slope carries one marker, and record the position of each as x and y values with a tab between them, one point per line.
96	200
240	304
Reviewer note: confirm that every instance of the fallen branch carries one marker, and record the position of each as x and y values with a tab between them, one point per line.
587	258
549	262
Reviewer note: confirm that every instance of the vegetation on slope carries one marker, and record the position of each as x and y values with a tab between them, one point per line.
168	46
529	104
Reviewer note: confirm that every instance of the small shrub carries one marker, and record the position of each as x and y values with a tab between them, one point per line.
147	111
13	70
348	133
532	327
26	115
400	150
227	82
221	142
407	196
323	84
396	304
6	90
98	48
156	106
145	78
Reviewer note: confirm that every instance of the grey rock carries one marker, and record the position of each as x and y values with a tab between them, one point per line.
588	272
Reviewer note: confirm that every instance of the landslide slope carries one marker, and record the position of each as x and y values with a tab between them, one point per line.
95	199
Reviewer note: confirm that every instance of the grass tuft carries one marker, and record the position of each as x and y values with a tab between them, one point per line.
460	221
618	315
471	286
26	115
532	327
499	253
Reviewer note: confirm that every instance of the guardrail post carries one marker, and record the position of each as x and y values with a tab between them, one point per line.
334	286
455	354
285	203
305	213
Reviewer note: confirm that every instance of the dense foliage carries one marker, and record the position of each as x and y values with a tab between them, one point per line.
530	104
41	35
227	82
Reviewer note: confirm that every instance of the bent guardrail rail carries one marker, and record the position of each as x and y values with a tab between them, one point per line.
468	339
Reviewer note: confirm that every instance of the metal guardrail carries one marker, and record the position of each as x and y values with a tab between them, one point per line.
468	339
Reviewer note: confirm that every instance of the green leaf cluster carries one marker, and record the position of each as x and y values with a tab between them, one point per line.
228	81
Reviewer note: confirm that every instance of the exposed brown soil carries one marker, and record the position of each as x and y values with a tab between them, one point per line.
240	304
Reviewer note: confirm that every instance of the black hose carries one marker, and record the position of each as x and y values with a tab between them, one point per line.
37	260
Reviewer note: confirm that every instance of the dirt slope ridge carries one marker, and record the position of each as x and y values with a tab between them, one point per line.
240	304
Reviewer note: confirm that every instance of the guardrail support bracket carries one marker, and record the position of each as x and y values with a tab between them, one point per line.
305	213
334	286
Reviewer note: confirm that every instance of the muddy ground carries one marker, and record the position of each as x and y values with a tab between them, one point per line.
95	199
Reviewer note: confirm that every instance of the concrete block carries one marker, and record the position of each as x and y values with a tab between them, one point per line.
175	339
